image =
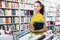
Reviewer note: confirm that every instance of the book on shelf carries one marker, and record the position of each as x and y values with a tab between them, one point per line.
31	12
12	27
13	12
57	18
7	19
22	13
9	28
57	23
16	20
14	5
23	1
2	20
17	27
23	27
2	4
15	0
1	12
22	20
17	12
26	12
25	19
51	14
27	6
22	6
8	4
8	13
28	19
27	1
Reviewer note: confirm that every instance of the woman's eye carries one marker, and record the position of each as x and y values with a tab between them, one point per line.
34	6
37	6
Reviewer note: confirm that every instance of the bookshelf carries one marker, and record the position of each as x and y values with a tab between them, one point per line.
9	15
25	18
26	12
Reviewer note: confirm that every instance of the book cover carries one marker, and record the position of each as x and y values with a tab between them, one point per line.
38	25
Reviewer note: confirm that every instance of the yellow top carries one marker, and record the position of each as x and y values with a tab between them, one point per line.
36	18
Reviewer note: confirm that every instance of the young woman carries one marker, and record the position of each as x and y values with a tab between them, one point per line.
38	16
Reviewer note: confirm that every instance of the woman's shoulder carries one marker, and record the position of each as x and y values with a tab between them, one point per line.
40	15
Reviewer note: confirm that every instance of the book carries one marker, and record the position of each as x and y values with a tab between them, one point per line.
22	13
17	12
8	4
38	25
25	19
31	12
13	12
22	20
3	4
28	19
17	27
7	19
14	5
0	4
26	12
1	12
23	27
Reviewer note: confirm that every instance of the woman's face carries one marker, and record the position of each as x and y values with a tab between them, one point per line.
37	7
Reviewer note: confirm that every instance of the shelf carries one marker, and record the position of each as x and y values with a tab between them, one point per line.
24	23
7	16
57	21
57	16
58	25
27	16
10	1
25	9
50	16
14	31
10	24
9	8
28	3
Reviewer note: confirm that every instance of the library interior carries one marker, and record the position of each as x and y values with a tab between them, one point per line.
29	19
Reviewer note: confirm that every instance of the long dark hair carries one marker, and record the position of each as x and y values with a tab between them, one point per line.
42	7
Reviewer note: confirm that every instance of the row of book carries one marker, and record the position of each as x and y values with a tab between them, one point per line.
26	12
9	27
8	12
8	4
11	0
28	1
26	6
9	20
25	19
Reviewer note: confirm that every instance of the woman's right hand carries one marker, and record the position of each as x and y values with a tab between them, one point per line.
31	28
